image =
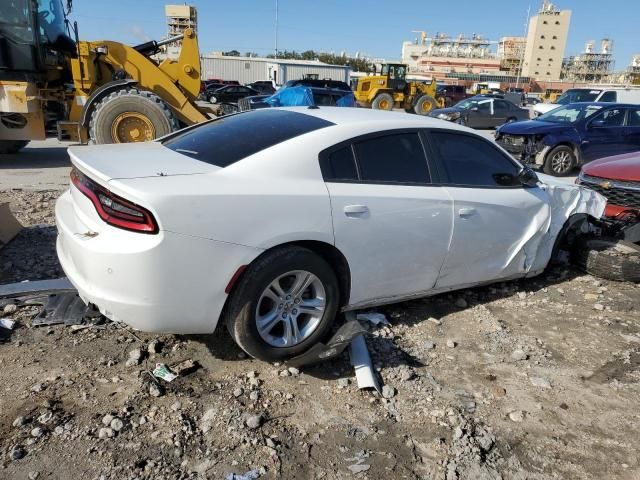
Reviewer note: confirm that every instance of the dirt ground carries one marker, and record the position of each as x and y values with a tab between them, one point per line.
534	379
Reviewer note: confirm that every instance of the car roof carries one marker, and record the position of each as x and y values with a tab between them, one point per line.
602	104
376	118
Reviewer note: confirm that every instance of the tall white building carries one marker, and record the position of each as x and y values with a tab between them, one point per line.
546	42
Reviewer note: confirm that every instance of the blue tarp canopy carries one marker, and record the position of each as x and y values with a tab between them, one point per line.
291	97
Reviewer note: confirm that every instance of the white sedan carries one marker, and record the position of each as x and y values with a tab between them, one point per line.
275	220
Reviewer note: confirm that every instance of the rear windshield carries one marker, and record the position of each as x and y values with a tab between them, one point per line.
224	141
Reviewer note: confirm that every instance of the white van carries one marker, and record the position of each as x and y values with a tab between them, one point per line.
609	94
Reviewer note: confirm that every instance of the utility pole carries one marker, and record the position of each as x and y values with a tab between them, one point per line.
275	53
526	31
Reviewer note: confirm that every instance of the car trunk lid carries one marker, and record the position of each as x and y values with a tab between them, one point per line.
134	160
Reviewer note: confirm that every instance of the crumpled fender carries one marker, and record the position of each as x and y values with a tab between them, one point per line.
565	200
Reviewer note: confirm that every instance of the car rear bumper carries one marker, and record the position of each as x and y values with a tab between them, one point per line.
168	282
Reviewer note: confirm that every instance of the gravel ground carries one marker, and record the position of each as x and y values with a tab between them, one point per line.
534	379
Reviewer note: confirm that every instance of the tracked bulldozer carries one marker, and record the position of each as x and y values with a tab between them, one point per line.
390	89
54	85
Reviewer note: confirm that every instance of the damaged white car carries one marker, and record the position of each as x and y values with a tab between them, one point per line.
275	220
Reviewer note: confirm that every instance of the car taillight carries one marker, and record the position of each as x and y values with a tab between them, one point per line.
114	209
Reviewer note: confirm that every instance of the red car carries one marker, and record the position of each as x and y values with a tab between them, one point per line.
618	179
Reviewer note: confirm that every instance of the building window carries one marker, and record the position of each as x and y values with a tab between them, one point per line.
544	22
542	37
552	47
539	59
557	22
548	74
536	73
540	47
555	37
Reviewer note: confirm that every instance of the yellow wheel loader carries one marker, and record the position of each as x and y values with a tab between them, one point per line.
391	90
99	92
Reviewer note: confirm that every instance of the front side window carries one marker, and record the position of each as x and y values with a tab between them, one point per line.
471	161
609	96
611	118
397	158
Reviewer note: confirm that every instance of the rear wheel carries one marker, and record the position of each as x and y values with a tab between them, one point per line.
131	115
12	146
560	161
608	258
383	101
285	303
425	104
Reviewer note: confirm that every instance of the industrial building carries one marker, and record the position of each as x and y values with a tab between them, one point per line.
546	42
590	66
179	18
511	53
441	55
252	69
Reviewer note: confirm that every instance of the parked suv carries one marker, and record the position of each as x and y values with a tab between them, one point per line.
452	94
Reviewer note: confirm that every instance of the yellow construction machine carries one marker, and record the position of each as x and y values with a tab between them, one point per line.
390	89
98	91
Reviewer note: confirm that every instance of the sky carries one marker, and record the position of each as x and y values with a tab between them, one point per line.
376	28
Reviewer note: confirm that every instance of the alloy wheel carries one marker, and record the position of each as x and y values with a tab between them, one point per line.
561	162
290	309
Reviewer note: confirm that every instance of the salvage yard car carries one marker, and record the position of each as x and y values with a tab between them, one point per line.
274	231
570	136
482	112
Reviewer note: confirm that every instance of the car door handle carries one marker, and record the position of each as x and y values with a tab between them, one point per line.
355	210
466	212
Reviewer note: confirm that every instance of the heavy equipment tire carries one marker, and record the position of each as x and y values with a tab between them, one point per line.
608	258
12	146
131	115
383	101
560	161
255	293
425	104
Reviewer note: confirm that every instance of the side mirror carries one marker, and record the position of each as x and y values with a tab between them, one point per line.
597	124
475	109
528	177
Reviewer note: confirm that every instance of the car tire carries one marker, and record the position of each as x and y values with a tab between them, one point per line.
424	105
12	146
462	121
608	258
560	161
383	101
254	294
145	109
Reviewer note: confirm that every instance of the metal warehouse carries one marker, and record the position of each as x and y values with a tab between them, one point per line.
251	69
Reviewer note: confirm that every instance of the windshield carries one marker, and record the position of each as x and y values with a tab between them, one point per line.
578	95
15	24
570	114
470	103
51	20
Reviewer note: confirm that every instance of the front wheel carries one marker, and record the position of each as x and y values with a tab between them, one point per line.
560	161
285	302
424	105
383	101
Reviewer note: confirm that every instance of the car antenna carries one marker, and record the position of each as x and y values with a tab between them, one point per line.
313	107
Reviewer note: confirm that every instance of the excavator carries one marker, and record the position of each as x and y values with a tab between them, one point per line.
54	85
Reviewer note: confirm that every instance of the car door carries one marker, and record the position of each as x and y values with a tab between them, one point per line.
391	223
501	111
495	216
480	115
631	134
604	135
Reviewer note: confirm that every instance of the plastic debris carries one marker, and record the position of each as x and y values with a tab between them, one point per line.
373	317
250	475
163	372
7	323
361	361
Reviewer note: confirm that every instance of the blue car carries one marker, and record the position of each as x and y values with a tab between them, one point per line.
574	134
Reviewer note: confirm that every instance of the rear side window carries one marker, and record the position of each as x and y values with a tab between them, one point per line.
340	165
471	161
229	139
634	118
395	158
